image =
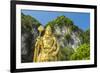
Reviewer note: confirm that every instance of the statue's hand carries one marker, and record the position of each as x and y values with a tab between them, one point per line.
55	51
38	38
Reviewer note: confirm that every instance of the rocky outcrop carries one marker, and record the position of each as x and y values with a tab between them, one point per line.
68	35
28	37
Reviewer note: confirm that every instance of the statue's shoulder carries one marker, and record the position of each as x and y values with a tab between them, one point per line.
39	38
54	38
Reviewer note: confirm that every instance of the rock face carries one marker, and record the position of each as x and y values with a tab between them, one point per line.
66	38
68	35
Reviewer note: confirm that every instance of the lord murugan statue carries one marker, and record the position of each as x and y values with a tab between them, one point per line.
46	46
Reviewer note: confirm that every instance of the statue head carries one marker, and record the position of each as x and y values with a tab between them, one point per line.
48	30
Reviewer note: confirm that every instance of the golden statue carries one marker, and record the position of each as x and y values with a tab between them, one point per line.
46	46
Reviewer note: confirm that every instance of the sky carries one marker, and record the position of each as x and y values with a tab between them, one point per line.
82	20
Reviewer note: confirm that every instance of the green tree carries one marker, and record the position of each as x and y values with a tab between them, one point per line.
65	53
81	53
86	36
27	22
60	21
68	37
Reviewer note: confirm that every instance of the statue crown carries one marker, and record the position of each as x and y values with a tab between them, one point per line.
48	28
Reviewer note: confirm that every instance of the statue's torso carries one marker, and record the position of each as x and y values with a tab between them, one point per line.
48	42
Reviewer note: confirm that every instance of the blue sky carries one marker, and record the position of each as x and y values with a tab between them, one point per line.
82	20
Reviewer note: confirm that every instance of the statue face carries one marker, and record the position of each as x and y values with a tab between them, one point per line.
48	31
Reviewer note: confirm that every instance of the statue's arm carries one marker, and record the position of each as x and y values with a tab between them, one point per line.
55	48
36	51
56	51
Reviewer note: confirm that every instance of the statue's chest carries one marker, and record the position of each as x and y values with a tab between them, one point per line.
48	42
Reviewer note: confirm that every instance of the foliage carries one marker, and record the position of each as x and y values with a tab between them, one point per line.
86	36
65	53
81	53
68	37
60	21
28	22
74	28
